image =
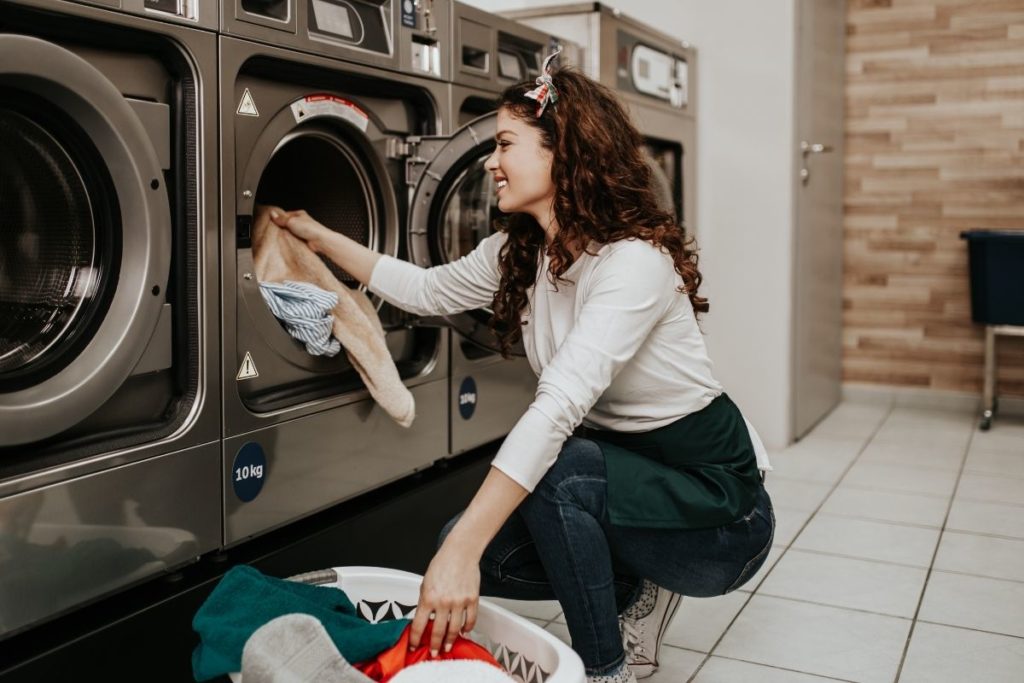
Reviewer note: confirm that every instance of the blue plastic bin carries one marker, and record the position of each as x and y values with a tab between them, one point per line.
996	259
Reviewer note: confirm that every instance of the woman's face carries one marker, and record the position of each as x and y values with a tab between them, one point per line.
521	167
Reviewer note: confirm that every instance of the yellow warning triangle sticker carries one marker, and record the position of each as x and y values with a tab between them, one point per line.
247	107
248	369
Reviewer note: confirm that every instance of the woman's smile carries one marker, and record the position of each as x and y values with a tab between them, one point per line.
521	169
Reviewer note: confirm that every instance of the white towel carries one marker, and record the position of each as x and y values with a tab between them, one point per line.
452	671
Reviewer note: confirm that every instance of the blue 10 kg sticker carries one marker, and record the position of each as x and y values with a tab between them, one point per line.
467	398
247	471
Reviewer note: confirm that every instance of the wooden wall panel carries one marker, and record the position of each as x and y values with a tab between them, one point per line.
934	146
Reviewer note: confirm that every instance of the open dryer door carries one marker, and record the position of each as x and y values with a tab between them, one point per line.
453	209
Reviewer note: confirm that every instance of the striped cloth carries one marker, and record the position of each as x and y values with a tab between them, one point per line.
305	311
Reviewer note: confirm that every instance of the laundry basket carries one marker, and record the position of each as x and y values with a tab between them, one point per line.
527	652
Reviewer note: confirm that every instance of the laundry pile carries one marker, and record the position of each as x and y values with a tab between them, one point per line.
277	631
301	290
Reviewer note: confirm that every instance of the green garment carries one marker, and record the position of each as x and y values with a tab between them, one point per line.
696	473
245	599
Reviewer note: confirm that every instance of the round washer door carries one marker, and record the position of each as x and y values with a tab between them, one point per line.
454	207
85	241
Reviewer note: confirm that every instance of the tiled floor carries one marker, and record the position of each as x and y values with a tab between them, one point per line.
898	556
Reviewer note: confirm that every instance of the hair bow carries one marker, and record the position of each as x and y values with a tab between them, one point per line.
545	92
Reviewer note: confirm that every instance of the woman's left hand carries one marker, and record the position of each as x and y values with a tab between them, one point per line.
451	592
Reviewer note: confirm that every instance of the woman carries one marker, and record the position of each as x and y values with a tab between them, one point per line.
659	494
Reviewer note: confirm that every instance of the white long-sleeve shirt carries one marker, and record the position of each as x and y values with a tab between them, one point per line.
618	349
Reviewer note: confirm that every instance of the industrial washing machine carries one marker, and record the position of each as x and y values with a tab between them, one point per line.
326	125
488	393
109	367
654	75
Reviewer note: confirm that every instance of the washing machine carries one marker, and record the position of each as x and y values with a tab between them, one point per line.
109	366
488	393
653	73
328	124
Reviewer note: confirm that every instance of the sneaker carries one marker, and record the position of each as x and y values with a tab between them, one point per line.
623	675
643	626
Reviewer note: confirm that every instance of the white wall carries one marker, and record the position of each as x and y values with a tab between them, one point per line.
745	118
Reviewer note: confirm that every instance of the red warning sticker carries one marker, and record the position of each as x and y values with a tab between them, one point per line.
330	105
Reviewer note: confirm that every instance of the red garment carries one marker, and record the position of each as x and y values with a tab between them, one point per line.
391	661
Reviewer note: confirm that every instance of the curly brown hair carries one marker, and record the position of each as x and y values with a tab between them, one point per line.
603	194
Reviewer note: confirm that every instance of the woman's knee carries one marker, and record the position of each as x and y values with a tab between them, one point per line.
578	458
576	479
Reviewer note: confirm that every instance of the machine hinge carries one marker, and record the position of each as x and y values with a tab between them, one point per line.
408	149
401	148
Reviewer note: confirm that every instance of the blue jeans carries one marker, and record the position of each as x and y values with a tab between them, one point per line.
560	545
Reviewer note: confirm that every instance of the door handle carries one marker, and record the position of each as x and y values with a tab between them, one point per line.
814	148
806	149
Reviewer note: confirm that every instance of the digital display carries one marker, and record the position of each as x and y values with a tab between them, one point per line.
334	19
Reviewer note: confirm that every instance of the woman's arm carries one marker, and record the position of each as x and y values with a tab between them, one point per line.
352	257
451	586
463	285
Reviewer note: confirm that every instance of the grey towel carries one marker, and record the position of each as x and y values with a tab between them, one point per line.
295	648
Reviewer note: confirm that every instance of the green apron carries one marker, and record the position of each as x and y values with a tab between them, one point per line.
696	473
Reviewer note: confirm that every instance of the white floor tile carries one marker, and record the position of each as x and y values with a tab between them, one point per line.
946	458
923	436
774	554
943	654
904	478
852	420
1008	463
820	459
808	468
826	641
791	493
886	506
869	540
722	670
986	518
934	418
997	558
840	448
1007	434
991	489
676	666
845	582
536	609
700	622
788	523
974	602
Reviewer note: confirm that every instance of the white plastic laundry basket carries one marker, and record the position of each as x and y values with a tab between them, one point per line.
527	652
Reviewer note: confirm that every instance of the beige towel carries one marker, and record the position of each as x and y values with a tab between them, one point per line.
279	255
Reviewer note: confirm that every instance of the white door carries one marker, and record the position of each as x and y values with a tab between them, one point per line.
818	303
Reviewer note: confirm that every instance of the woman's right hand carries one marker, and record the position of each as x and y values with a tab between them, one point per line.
303	226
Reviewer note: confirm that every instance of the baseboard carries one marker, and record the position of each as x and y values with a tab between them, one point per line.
916	397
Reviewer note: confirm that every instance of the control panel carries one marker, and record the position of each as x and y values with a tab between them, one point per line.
649	71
